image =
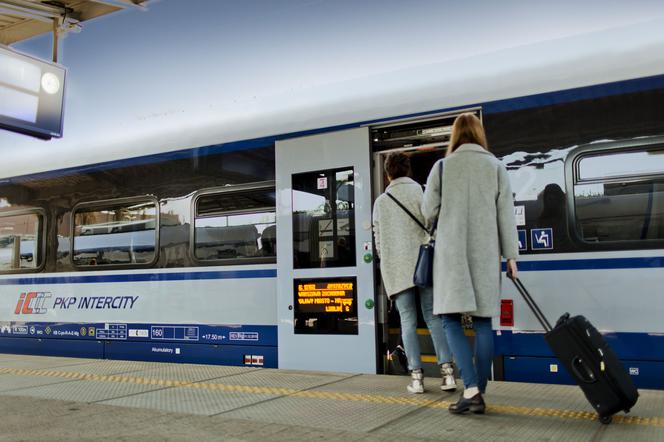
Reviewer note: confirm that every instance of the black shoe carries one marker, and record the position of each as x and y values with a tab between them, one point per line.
475	405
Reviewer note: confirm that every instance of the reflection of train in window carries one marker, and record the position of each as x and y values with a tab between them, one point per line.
619	195
115	232
237	223
195	234
20	234
323	219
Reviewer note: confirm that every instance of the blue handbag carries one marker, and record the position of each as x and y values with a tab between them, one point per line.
423	275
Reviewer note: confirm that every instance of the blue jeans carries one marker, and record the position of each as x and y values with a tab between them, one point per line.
473	374
407	307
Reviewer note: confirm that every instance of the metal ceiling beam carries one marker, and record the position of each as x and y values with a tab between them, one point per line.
36	11
22	19
122	3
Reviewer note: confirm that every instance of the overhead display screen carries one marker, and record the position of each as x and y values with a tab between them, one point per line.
31	95
326	305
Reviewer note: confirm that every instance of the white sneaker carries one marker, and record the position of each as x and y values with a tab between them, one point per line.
416	385
447	373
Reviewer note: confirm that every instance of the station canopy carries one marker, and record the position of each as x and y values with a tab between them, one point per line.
24	19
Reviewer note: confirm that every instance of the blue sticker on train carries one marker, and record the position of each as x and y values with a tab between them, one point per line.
265	335
523	238
541	239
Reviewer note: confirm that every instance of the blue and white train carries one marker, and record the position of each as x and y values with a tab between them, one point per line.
250	243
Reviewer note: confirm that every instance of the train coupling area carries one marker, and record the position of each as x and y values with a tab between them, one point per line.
56	398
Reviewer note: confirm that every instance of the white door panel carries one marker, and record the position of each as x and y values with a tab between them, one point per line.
323	262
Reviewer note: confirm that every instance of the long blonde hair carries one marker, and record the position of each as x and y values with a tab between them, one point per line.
467	128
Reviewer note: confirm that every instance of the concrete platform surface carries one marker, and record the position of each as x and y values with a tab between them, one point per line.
49	398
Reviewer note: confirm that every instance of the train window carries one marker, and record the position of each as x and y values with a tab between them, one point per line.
115	232
323	219
619	196
21	235
238	223
623	164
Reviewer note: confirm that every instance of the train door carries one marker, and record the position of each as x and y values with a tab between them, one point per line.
425	142
326	316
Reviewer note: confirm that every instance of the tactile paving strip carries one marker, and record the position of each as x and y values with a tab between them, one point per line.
192	372
37	364
107	367
12	382
191	400
323	413
284	382
440	424
85	391
386	385
568	397
136	385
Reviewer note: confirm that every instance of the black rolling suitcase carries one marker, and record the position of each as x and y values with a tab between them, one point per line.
584	352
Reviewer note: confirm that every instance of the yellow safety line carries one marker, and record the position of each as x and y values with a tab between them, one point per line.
342	396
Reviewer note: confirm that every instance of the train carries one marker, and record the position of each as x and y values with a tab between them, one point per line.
249	242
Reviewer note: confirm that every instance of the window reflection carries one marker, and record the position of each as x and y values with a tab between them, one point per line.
19	242
620	211
621	164
119	234
323	219
538	183
612	209
236	225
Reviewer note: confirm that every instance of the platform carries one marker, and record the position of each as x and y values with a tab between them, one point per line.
68	399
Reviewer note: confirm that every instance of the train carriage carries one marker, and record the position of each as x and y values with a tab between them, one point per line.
254	247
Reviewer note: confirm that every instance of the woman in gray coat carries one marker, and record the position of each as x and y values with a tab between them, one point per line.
398	238
476	226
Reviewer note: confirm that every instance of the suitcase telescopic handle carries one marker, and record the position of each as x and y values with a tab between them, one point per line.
531	303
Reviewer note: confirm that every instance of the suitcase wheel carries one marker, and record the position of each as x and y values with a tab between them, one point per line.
606	420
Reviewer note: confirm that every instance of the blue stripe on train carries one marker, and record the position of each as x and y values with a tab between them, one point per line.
245	335
527	357
632	346
645	374
591	264
255	356
497	106
526	266
141	277
242	345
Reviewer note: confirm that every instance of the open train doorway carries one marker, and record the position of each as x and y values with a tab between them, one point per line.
425	142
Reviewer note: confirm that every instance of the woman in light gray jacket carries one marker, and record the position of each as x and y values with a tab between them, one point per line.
476	226
398	238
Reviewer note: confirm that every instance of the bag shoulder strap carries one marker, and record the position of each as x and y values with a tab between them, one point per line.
440	189
419	223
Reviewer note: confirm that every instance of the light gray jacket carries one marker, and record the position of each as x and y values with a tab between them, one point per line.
476	226
397	236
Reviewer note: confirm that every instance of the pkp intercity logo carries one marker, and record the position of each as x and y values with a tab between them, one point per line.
32	303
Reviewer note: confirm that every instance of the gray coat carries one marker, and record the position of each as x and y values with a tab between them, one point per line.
397	236
476	226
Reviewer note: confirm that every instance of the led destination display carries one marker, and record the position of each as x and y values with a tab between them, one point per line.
325	305
326	297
